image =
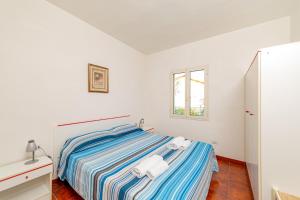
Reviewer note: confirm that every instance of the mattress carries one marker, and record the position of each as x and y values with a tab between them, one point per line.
98	166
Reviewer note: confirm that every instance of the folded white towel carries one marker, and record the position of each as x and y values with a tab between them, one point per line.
185	144
176	143
140	169
157	169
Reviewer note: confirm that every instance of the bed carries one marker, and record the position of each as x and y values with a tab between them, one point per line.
97	165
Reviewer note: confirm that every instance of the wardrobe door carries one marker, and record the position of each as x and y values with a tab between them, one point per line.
252	146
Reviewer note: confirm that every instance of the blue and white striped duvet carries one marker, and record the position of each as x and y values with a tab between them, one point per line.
98	166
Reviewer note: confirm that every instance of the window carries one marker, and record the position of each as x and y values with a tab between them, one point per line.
189	93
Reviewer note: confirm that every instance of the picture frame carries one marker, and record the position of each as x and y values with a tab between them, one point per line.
98	80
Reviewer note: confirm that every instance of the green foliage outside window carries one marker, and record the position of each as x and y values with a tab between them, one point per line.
179	111
195	111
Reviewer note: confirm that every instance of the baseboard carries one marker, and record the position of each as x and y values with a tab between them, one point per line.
231	160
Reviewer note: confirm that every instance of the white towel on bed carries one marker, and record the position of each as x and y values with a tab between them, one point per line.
140	169
157	169
185	144
176	143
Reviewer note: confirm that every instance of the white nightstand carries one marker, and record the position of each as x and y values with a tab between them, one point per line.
148	129
22	182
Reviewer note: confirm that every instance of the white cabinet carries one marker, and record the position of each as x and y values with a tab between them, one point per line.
272	122
252	131
33	182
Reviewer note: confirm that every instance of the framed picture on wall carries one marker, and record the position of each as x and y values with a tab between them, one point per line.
98	78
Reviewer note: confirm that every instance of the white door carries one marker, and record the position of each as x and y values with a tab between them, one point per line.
280	127
252	139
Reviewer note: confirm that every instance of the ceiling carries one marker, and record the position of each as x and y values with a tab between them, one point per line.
154	25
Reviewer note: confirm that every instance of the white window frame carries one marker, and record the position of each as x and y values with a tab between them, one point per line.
187	72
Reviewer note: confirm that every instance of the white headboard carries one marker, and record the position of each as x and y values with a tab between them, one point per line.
64	131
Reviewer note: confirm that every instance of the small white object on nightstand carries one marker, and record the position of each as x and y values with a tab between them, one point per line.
20	181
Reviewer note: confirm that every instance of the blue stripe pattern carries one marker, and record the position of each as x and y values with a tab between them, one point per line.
98	166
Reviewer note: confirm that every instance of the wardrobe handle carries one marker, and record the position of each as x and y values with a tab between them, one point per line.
251	114
247	111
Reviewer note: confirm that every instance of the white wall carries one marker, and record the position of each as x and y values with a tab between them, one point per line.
295	22
44	53
228	56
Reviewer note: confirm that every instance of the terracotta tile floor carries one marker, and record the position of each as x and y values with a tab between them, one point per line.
230	183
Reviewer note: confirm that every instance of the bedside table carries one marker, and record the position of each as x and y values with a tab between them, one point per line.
20	181
148	129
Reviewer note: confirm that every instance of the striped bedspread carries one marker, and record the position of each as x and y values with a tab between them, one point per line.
98	166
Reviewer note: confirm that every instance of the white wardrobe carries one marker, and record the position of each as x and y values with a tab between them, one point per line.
272	121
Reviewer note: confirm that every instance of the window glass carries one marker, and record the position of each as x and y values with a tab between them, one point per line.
197	93
179	94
